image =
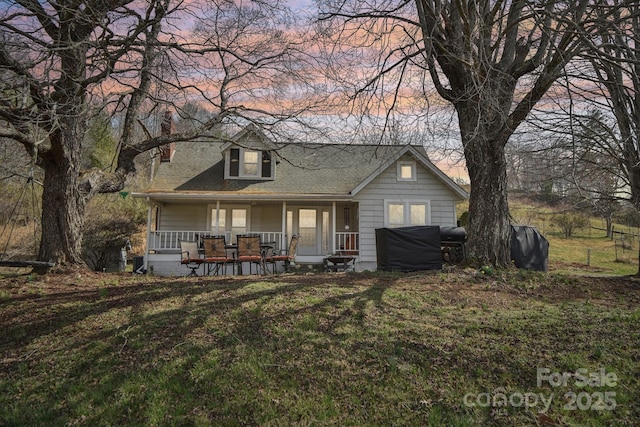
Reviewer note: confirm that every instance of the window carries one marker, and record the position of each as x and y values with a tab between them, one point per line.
249	164
307	226
406	171
230	222
407	213
218	224
418	214
395	216
238	222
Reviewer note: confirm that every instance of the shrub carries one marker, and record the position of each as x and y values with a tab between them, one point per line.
109	225
569	222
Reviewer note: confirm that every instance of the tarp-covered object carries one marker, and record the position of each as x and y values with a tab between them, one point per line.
408	248
452	241
529	248
453	234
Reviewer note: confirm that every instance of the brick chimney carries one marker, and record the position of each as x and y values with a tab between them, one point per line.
166	128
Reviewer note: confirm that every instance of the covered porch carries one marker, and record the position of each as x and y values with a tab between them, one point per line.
323	227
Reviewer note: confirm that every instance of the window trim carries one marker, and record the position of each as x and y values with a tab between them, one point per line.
412	165
407	210
264	164
257	164
228	208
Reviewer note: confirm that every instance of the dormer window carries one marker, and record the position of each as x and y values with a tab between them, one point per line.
250	163
244	163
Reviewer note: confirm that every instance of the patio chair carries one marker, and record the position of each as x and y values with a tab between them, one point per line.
249	250
190	256
285	256
216	256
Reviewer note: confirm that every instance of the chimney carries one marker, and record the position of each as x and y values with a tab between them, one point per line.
166	128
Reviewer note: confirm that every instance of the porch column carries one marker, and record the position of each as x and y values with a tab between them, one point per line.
217	218
334	210
283	235
146	251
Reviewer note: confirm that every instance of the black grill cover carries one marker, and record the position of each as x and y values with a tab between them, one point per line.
529	249
408	248
453	234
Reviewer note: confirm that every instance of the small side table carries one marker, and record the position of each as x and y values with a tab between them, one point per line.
339	262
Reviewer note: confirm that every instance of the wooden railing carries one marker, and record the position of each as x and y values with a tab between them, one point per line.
169	241
347	242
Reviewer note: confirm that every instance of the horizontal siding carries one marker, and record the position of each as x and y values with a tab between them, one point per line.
266	218
195	217
183	217
387	187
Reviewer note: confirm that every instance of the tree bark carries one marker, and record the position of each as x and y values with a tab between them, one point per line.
63	205
489	228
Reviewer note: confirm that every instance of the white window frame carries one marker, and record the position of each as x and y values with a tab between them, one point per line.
241	165
258	163
228	230
407	211
412	165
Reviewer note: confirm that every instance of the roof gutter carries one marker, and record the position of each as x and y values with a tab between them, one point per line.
251	197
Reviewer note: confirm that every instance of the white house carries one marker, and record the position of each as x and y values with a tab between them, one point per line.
333	196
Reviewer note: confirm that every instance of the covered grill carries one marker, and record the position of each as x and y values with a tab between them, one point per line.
452	241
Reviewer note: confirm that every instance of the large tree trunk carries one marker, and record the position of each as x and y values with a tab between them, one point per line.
63	207
489	228
482	132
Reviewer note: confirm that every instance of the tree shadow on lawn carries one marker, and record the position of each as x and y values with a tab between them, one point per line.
97	338
211	348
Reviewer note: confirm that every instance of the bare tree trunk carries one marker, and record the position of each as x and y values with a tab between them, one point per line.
489	228
63	205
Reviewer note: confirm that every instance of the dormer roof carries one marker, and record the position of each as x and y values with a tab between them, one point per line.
250	137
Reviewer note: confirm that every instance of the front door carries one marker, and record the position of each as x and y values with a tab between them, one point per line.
313	228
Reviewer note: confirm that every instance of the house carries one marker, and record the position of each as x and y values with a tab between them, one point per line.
333	196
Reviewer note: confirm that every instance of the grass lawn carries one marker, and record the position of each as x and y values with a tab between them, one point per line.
444	349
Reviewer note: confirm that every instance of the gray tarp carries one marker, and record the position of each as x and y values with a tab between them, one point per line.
529	249
408	248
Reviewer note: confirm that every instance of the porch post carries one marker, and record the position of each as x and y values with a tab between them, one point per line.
333	226
217	217
283	235
146	251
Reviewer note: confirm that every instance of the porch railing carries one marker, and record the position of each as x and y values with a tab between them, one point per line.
348	242
169	241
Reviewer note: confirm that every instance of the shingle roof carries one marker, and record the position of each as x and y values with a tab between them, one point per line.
301	168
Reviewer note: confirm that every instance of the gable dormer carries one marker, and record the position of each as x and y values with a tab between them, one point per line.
249	156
